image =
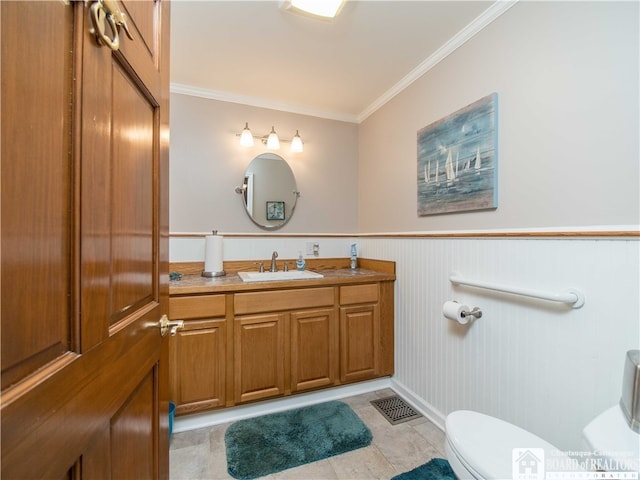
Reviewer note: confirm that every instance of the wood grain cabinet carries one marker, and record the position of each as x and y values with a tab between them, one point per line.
359	332
314	348
259	344
198	353
283	342
245	346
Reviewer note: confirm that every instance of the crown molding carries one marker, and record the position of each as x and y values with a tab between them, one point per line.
260	102
463	36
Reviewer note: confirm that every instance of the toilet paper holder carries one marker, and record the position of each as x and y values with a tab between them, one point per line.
475	312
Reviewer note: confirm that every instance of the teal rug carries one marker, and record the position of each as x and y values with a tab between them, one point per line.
435	469
272	443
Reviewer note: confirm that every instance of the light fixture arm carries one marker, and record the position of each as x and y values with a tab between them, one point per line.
246	139
263	138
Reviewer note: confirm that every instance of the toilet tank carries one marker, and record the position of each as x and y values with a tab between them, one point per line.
630	399
613	435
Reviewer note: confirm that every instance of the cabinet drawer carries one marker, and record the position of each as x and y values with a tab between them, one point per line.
359	294
200	306
256	302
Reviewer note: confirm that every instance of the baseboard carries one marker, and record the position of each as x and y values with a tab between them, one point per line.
435	416
194	421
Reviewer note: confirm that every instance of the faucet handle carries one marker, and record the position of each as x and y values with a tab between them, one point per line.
261	266
286	266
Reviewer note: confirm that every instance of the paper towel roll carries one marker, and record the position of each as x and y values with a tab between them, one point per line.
453	311
213	256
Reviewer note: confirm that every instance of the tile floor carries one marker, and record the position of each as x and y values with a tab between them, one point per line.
200	454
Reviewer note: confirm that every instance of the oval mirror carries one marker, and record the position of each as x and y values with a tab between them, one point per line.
269	192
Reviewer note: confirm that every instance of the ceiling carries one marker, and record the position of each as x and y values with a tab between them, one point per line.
255	53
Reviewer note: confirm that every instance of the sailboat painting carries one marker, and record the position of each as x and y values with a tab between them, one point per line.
458	160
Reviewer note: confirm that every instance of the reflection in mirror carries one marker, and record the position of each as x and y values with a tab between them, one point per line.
269	192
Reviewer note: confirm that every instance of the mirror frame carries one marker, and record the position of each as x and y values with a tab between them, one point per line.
243	189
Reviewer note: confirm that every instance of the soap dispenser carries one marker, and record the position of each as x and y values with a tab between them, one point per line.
300	263
354	256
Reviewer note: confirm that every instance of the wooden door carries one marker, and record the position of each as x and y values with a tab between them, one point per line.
84	249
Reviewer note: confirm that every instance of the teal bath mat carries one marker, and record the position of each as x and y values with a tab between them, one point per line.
435	469
272	443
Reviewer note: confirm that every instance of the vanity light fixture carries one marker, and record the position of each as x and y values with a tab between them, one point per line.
325	9
272	141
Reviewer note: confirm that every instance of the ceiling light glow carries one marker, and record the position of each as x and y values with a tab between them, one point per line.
320	8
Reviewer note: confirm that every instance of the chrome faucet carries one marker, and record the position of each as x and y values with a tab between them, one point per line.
274	268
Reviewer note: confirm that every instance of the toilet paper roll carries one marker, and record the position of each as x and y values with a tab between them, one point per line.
454	311
213	254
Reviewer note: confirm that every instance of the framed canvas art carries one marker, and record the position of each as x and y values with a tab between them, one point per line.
458	160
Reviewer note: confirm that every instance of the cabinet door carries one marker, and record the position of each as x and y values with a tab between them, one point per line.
359	340
199	361
259	343
313	349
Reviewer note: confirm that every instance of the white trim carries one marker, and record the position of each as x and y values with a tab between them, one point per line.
468	32
233	414
561	230
434	415
260	102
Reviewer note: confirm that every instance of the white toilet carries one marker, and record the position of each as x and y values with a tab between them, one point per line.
482	447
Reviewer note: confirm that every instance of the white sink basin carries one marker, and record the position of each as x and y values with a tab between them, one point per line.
278	276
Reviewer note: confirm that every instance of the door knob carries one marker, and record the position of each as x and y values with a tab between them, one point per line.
170	326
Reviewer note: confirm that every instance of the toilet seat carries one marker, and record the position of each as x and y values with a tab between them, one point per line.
484	445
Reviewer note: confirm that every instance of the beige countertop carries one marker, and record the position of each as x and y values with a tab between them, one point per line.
196	284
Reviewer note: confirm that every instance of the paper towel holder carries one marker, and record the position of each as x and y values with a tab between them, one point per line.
213	274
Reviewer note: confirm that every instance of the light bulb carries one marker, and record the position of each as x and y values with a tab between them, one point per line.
273	142
296	143
246	138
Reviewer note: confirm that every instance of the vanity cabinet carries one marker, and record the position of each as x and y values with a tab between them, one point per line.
198	353
248	342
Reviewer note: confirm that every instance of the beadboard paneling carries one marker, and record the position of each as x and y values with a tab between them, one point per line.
544	366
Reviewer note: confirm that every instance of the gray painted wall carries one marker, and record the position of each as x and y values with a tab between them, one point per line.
207	163
566	74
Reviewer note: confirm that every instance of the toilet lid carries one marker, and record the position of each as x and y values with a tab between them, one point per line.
485	444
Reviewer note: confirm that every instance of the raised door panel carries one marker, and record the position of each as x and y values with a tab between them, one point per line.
313	349
132	455
359	342
199	380
259	343
36	189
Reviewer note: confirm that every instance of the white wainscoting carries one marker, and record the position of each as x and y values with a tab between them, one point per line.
543	366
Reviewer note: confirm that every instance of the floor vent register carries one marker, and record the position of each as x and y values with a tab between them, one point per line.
395	409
